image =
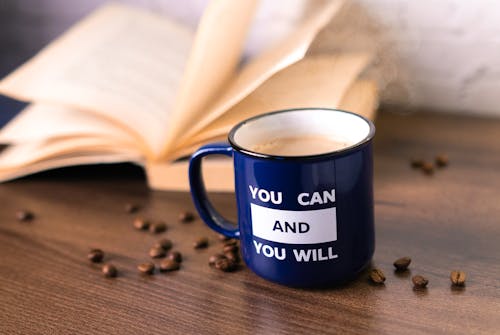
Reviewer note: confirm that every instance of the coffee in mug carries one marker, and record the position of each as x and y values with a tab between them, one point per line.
299	146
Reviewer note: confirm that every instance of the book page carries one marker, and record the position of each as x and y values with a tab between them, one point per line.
19	155
258	70
361	98
316	81
216	52
121	62
60	121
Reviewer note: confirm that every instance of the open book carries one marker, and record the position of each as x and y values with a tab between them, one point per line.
128	85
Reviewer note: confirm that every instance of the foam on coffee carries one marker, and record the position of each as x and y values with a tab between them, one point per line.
298	146
301	132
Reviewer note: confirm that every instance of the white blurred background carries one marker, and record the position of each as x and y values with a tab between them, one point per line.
441	54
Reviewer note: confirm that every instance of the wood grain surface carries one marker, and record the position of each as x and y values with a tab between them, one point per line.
448	221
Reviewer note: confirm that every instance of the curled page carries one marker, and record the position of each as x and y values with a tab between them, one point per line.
212	62
262	67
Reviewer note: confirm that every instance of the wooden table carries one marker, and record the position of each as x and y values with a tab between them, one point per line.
447	221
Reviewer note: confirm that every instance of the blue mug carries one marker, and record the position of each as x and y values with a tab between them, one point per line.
303	220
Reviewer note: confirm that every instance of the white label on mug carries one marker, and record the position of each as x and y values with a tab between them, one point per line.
294	227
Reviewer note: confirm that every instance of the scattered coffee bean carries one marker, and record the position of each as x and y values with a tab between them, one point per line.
24	215
225	265
95	255
230	248
201	243
441	160
401	264
175	255
377	276
157	252
147	268
214	258
419	282
417	163
222	237
141	223
457	278
169	265
158	227
428	168
233	256
109	270
164	243
131	208
186	217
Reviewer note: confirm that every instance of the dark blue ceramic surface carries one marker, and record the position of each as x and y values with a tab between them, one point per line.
346	174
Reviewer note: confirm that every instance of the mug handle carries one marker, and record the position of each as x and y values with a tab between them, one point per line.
199	194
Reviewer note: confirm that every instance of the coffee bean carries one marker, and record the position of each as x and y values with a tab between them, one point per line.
427	168
95	255
233	256
201	243
417	163
377	276
419	282
109	270
214	258
141	223
401	264
164	243
147	268
175	255
441	160
24	215
131	208
158	227
225	265
186	217
157	252
169	265
230	248
457	278
222	237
